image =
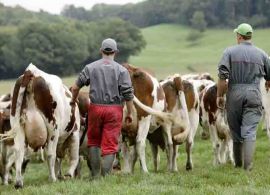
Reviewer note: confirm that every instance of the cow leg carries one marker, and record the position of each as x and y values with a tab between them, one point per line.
156	157
74	153
168	145
51	158
79	167
9	161
267	122
215	144
58	168
19	146
126	157
175	155
194	122
223	151
143	130
230	150
42	159
133	157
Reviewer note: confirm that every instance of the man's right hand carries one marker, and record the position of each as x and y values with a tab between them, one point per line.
128	119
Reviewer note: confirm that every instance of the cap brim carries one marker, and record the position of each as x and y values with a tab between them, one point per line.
235	30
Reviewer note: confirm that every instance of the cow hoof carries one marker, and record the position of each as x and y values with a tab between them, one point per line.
18	185
189	167
60	177
67	176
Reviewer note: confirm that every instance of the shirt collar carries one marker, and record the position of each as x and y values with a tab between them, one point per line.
247	42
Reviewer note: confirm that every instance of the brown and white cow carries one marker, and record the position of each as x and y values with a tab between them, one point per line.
41	114
148	116
200	81
187	109
265	91
7	146
216	121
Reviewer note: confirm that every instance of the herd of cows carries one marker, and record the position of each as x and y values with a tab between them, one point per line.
38	115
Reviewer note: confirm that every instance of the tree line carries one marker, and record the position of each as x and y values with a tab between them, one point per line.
216	13
57	44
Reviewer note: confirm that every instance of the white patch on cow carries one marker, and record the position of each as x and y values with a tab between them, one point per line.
143	130
157	104
266	105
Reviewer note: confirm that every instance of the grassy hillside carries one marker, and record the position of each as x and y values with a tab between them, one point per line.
168	51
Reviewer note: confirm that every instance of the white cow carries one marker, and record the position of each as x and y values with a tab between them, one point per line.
41	114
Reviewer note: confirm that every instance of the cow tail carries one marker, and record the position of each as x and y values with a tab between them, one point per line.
19	102
184	121
163	116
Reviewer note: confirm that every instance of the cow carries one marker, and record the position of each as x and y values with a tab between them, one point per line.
200	81
41	114
215	120
148	115
7	146
174	87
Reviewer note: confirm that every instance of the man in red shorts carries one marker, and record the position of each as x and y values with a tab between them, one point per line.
110	87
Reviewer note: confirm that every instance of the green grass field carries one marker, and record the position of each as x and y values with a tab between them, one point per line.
168	52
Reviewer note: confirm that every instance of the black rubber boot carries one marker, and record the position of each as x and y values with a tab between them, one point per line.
107	164
237	153
249	148
94	161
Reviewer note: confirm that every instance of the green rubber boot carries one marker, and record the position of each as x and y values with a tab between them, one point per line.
94	161
107	164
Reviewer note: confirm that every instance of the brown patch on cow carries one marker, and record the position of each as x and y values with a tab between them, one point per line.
23	106
15	95
160	94
27	77
143	87
43	98
209	102
5	125
171	95
178	83
72	119
83	103
189	94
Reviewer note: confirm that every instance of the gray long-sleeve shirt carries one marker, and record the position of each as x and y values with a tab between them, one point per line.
244	64
109	82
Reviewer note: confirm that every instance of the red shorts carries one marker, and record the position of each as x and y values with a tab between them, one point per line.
104	126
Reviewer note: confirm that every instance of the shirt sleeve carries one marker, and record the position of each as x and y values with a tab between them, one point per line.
224	66
83	78
267	67
125	86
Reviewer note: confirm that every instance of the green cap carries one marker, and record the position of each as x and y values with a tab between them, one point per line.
244	29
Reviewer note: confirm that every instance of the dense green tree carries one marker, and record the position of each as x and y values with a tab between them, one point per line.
198	22
222	13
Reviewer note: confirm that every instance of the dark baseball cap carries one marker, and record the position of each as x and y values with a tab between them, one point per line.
109	45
